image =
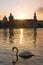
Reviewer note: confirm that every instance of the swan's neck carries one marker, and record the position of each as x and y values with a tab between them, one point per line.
16	50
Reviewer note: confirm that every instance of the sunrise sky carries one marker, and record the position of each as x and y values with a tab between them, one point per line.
21	8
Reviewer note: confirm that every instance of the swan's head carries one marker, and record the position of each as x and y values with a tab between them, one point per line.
13	48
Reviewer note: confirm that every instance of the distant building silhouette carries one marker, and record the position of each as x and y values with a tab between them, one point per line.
35	17
4	20
11	18
27	23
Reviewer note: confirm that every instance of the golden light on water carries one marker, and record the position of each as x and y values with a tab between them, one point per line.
21	36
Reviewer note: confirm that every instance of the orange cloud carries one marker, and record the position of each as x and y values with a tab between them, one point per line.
40	10
40	13
0	16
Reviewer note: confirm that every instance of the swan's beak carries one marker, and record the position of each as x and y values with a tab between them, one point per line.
13	49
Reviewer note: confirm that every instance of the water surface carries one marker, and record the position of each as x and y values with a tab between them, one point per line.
23	39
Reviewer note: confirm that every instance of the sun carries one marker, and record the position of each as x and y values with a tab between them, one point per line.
21	16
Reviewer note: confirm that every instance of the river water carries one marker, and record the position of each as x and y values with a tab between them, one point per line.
24	39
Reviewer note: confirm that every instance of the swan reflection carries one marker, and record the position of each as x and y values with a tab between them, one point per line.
15	61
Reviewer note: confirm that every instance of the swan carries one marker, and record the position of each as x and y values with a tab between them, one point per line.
24	54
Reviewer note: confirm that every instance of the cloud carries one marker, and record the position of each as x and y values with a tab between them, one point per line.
0	16
40	10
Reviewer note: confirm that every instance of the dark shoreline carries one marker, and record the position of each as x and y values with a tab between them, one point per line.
21	28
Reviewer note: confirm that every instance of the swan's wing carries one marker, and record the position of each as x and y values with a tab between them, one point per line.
25	53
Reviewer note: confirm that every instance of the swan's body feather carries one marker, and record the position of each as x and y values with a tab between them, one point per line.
25	54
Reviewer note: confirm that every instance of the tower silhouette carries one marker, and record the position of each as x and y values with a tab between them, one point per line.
35	17
11	17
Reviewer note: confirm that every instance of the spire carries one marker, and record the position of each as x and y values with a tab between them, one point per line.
35	17
4	19
11	17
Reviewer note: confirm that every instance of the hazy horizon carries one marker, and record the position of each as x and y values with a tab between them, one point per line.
21	9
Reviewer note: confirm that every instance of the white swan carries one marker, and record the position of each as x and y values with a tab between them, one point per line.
24	54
